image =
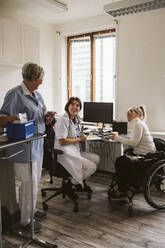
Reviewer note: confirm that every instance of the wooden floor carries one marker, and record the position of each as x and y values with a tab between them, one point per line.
98	224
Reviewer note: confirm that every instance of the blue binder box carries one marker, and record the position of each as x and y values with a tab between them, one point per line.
19	131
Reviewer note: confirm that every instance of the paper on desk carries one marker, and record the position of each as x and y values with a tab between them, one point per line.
93	137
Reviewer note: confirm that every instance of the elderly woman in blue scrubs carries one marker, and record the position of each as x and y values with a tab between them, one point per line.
25	98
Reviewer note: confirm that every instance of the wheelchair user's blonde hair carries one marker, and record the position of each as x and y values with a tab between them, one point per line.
141	111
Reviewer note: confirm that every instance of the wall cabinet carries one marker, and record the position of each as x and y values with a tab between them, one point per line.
19	43
30	44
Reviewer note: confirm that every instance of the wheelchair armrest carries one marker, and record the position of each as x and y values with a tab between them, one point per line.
157	154
57	151
128	151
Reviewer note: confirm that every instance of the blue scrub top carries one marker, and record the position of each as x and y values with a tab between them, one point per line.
15	102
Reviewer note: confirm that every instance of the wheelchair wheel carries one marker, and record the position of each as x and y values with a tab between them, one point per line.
45	206
154	186
43	193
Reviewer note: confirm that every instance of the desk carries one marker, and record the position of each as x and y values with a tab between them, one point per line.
32	238
108	151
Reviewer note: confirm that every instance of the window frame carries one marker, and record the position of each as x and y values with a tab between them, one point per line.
69	59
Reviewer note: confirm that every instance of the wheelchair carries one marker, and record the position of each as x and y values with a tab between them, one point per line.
150	179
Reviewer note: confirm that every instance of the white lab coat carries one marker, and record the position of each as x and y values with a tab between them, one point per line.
75	162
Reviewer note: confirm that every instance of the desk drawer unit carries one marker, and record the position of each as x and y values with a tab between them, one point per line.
108	152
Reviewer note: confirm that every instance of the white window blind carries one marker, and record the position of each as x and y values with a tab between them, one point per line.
81	69
105	47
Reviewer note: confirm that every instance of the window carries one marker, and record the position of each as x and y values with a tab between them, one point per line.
81	69
104	69
91	66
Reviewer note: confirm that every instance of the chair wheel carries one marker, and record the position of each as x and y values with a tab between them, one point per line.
89	196
76	208
130	211
45	206
43	193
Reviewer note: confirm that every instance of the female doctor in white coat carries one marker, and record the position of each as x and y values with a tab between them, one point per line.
80	165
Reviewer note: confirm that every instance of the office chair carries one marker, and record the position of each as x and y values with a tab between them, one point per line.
56	169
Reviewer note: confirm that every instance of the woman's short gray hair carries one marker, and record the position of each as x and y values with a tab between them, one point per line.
32	71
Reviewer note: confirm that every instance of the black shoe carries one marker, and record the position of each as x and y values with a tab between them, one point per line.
117	195
37	227
39	215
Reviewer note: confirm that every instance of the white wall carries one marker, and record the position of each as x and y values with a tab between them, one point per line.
141	65
61	73
140	57
10	76
141	62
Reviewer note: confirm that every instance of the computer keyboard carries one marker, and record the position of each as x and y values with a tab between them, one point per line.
104	134
94	130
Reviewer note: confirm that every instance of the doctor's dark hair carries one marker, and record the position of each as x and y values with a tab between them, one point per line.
32	71
71	99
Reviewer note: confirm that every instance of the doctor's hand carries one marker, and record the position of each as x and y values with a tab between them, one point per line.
82	137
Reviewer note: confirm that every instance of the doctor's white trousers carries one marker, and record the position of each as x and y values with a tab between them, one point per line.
22	171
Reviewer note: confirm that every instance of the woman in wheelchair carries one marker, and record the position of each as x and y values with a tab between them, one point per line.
141	143
68	136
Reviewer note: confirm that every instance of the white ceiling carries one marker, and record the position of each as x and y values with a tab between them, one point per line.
77	9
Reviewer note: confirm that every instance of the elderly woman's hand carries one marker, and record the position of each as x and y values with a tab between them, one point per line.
5	119
49	117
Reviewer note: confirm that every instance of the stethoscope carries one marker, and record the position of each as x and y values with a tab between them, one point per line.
76	124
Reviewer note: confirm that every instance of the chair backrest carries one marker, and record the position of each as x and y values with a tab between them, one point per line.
50	135
58	170
50	155
160	144
48	146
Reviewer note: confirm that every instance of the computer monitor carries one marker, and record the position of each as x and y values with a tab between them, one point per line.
98	112
120	127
